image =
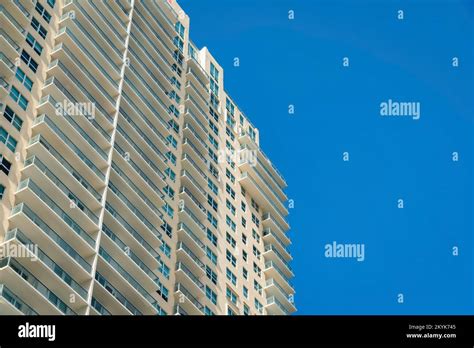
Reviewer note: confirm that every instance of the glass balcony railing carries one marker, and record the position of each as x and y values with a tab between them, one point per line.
193	131
130	253
189	232
273	300
65	277
270	247
194	199
186	141
181	266
71	98
115	293
129	228
194	182
193	217
10	40
273	282
115	265
104	54
16	301
269	216
59	184
65	164
268	231
133	209
75	125
199	123
54	207
40	287
189	296
271	264
93	24
188	251
104	18
71	144
140	172
17	25
99	307
202	112
51	234
190	160
135	189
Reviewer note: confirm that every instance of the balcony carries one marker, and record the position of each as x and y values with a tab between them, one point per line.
273	289
269	237
186	300
9	23
198	209
272	271
264	200
185	276
274	307
269	221
187	216
271	254
7	67
23	218
187	236
11	304
25	285
184	253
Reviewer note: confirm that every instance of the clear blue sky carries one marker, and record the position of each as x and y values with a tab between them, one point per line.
299	62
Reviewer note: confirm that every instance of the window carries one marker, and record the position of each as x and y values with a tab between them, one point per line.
244	255
229	132
213	142
168	210
39	28
165	270
257	287
230	206
244	238
13	118
211	219
229	190
171	140
43	13
34	44
207	311
255	220
230	223
246	292
51	3
166	227
5	165
2	191
18	98
211	295
211	274
214	87
212	237
244	223
230	311
214	128
178	43
25	80
257	269
162	291
255	235
256	252
231	295
246	309
211	256
245	274
242	191
214	72
229	106
230	240
169	155
169	191
179	29
212	186
258	306
229	175
231	276
212	202
213	155
231	258
7	139
243	206
170	173
29	61
165	248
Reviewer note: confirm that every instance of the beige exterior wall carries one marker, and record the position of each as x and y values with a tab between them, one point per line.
118	206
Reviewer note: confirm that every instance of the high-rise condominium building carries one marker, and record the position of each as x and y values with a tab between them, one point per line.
130	181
